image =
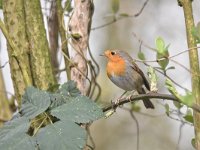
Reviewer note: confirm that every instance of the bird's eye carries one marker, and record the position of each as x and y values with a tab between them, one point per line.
113	53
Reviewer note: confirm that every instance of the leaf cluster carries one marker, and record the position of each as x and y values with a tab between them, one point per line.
59	115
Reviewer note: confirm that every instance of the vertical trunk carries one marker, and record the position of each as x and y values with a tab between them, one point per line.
15	23
194	64
80	30
42	71
53	34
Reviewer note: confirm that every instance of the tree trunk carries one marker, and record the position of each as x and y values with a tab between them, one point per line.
14	19
80	30
42	72
194	64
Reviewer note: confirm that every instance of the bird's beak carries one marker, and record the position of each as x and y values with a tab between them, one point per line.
103	54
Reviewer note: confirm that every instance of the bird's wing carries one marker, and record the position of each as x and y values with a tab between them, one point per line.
137	69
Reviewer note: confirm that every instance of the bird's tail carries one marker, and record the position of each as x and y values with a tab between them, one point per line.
147	103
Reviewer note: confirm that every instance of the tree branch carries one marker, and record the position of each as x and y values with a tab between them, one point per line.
134	98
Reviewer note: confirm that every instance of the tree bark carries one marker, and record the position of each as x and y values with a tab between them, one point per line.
14	19
80	30
42	72
53	34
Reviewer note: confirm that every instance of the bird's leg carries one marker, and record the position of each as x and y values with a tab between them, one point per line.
129	97
118	100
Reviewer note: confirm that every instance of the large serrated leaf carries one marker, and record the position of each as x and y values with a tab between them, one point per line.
13	135
80	109
34	102
57	100
62	135
69	89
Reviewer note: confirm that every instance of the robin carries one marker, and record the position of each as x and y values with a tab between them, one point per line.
124	72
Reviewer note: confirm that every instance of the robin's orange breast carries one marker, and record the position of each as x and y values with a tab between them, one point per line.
116	68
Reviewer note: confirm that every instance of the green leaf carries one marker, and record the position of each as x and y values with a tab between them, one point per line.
193	142
13	135
80	109
160	44
34	102
62	135
69	89
171	68
57	100
187	99
141	55
177	104
189	117
76	36
124	15
163	60
167	109
115	6
162	53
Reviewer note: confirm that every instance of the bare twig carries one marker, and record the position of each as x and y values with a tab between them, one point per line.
120	18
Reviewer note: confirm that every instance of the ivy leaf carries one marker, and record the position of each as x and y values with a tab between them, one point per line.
80	109
62	135
13	135
34	102
115	6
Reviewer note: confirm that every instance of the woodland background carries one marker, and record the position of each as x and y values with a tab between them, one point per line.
159	18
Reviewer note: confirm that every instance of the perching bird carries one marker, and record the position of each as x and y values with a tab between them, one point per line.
124	72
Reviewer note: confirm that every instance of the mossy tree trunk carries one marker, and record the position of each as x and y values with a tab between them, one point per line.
194	64
14	19
41	67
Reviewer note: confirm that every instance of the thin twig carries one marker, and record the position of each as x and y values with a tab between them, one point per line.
137	127
120	18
